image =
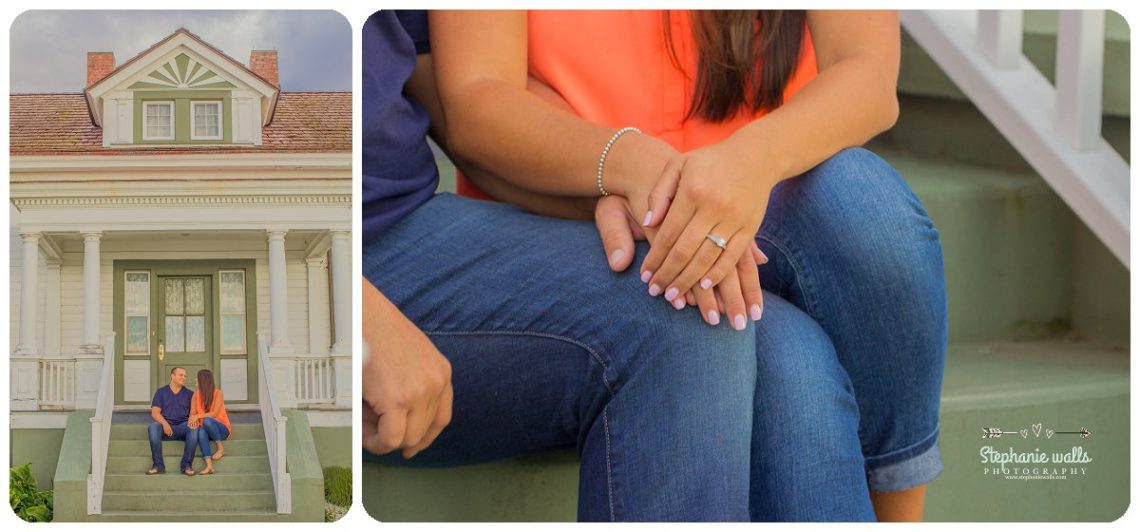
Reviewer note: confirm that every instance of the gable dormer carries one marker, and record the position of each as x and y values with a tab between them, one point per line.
182	92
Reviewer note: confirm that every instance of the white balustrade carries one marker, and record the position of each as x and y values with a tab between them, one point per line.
56	383
274	425
101	428
313	380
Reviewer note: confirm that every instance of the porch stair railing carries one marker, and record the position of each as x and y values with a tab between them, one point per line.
274	424
101	428
1056	128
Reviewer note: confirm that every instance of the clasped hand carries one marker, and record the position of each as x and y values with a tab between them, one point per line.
696	196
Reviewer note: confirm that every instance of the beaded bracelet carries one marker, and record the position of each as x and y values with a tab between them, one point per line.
606	151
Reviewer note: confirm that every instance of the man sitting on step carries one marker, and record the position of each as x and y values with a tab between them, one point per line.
170	410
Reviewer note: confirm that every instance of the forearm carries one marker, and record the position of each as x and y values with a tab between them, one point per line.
156	415
495	123
852	99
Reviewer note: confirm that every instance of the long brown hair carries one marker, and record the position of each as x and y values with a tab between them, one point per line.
206	388
746	59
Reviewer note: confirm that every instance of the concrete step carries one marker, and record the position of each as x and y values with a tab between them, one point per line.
171	481
1061	385
265	516
137	430
216	500
920	75
230	464
234	447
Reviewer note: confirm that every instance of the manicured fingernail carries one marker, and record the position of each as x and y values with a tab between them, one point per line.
654	290
756	312
646	276
616	257
679	303
706	283
763	258
648	218
670	294
714	317
738	322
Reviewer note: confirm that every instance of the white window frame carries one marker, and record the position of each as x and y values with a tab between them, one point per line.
146	113
194	122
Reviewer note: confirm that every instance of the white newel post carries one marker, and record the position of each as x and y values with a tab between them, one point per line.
91	293
341	268
29	293
278	295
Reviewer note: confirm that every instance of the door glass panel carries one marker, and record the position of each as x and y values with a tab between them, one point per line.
175	333
136	334
233	291
138	293
233	334
195	333
195	295
174	296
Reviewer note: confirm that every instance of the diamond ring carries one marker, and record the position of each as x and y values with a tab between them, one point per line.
719	241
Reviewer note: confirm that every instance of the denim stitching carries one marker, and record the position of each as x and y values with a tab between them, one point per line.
588	349
609	466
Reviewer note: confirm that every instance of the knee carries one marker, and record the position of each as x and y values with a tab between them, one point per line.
799	375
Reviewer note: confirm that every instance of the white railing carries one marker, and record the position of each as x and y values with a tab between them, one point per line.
274	425
56	388
101	428
314	380
1056	129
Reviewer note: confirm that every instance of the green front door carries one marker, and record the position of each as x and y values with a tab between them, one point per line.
184	327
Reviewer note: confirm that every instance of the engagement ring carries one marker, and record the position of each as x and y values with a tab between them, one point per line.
720	242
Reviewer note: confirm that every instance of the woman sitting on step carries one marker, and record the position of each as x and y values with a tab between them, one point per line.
208	409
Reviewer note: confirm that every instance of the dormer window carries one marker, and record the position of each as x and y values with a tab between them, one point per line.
159	118
205	121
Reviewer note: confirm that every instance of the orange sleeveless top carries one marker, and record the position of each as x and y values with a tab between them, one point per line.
198	408
615	68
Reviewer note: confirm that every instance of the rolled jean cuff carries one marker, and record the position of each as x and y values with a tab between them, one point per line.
906	468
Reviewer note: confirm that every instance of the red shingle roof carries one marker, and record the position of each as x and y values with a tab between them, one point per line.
59	124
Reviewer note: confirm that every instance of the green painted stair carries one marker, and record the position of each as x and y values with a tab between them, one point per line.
240	490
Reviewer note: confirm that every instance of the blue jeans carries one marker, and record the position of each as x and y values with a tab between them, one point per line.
851	246
211	430
178	432
551	349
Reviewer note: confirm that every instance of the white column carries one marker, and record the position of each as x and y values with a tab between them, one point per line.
341	268
91	293
28	294
52	308
278	295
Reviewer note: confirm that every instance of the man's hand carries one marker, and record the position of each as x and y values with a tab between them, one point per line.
407	381
167	430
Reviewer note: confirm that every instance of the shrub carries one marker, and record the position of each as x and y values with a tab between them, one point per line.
29	503
338	486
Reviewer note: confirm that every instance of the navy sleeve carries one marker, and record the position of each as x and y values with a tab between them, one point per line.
415	23
155	401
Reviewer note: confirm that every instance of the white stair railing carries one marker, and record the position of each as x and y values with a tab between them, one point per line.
101	428
56	383
1056	129
274	425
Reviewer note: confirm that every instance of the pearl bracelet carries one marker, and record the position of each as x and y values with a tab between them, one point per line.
606	152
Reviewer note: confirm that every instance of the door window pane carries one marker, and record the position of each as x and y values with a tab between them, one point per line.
233	334
195	296
136	334
175	334
174	299
195	333
232	304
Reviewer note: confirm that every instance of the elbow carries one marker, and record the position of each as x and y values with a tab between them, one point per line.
889	113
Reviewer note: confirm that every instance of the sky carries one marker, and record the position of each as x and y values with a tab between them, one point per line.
49	48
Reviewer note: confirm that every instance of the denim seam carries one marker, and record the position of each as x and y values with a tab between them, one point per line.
802	278
609	466
593	353
922	444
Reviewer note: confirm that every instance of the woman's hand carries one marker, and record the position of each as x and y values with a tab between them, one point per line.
740	289
710	191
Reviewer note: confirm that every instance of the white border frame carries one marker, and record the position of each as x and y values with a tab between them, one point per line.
146	106
194	122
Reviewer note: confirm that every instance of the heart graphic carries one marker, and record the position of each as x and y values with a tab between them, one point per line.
1024	433
1049	433
1036	430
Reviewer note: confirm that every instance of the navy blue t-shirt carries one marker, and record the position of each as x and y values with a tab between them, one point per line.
399	169
175	406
